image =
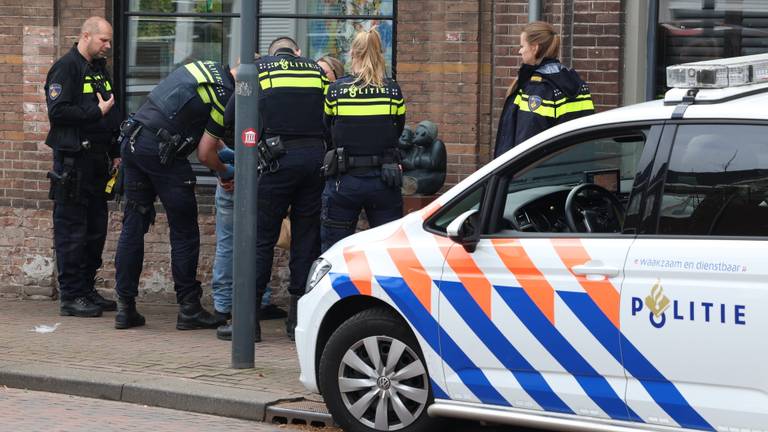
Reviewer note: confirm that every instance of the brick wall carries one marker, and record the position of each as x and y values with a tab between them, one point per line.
439	66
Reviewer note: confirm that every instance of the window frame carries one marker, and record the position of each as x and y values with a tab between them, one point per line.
495	184
650	223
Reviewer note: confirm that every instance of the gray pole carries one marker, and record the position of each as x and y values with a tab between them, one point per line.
534	10
246	131
650	68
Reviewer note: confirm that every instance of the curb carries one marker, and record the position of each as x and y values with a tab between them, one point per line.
174	393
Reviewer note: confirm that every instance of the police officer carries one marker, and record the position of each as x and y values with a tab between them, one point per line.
291	110
84	124
365	115
186	108
545	92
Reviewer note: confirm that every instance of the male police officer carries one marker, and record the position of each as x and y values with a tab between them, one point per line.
292	148
187	107
84	125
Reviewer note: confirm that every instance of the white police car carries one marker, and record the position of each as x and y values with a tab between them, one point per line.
609	274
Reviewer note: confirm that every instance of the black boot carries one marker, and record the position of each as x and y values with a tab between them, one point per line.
290	322
192	316
80	307
104	304
225	333
127	315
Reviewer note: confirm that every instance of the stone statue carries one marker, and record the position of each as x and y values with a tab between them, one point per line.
424	159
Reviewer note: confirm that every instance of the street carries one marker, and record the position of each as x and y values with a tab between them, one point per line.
32	411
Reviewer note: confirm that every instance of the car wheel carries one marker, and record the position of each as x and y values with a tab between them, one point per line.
373	375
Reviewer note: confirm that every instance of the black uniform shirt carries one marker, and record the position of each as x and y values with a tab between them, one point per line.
188	102
364	120
73	109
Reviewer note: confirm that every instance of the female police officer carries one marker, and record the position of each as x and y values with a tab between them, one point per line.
364	115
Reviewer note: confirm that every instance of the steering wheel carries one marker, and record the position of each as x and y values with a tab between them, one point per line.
594	218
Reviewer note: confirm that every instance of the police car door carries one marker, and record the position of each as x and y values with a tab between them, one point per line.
694	308
531	314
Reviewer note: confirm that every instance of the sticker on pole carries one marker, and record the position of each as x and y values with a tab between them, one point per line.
249	137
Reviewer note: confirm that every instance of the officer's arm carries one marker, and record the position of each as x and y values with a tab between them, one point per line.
399	108
62	89
207	153
329	113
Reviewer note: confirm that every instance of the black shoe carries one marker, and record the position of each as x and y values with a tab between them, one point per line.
225	333
270	312
224	316
104	304
80	307
127	315
192	316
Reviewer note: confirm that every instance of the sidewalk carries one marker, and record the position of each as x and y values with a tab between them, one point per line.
153	365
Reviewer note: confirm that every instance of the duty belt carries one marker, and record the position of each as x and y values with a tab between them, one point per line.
373	161
301	142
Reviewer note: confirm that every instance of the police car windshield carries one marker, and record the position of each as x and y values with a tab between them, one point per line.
574	165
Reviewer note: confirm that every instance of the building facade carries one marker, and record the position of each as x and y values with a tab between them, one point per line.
453	59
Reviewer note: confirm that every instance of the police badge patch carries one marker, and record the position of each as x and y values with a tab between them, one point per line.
54	91
534	102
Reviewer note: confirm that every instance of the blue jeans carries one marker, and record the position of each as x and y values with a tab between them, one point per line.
343	198
222	280
221	283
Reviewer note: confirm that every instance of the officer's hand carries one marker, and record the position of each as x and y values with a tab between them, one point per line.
392	175
116	163
105	105
227	185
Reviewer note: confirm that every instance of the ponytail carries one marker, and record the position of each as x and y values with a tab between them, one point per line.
368	62
544	35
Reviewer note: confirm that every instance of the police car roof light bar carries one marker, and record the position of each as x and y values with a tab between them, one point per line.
720	73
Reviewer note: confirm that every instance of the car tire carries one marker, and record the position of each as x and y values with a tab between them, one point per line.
359	396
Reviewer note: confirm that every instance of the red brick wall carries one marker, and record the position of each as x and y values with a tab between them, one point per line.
439	65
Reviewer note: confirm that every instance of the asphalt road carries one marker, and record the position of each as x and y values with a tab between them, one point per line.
31	411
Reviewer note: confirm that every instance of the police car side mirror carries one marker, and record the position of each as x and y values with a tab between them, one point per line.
465	230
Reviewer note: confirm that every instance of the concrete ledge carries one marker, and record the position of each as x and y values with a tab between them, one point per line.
56	379
192	396
174	393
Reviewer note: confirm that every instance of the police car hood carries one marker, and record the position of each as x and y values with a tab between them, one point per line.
372	235
558	75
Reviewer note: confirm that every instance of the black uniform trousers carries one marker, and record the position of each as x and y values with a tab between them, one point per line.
146	179
297	183
80	225
345	196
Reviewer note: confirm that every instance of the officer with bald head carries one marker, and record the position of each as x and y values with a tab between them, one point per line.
84	124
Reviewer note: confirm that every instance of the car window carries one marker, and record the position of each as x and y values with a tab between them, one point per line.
470	201
536	194
717	182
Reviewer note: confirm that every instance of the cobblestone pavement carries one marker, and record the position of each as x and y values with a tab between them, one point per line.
157	349
28	411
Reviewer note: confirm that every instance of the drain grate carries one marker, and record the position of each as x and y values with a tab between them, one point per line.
300	412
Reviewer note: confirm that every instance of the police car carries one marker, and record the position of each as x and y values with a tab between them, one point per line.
609	274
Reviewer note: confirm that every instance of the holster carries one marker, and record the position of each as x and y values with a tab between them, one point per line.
268	152
169	147
330	166
65	187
